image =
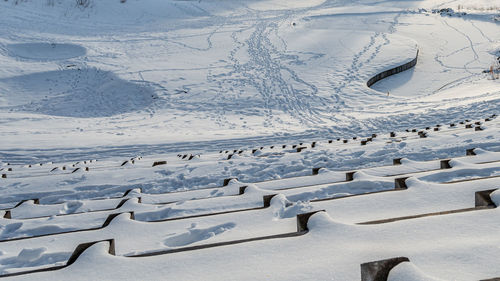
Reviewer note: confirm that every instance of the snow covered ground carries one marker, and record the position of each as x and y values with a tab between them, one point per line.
159	72
263	92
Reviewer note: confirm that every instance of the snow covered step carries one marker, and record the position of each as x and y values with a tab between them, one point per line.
28	209
14	230
316	184
219	205
215	191
175	196
230	187
454	171
483	201
327	242
69	261
360	185
409	167
481	156
21	229
294	182
33	209
419	198
173	233
305	193
473	179
182	236
357	186
188	209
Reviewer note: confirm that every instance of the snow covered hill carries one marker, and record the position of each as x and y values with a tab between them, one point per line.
214	70
239	140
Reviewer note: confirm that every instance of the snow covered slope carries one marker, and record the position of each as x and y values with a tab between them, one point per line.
238	140
155	72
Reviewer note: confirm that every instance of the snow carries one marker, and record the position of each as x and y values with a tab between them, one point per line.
213	65
45	51
408	271
270	94
83	93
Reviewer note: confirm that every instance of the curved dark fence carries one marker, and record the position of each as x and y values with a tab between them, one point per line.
392	71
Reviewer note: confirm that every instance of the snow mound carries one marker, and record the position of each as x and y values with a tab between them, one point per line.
97	251
284	208
323	222
45	51
75	93
407	271
495	197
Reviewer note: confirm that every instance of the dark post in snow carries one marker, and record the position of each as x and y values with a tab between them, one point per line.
379	270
